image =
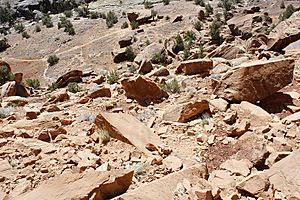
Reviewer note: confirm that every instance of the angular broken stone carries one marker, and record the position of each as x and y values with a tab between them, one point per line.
254	184
72	76
90	185
143	90
185	112
128	129
237	167
255	81
164	188
197	66
284	175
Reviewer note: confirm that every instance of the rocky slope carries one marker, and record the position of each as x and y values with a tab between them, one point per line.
188	105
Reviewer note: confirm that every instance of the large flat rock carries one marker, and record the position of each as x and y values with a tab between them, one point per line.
256	80
91	185
165	188
128	129
285	175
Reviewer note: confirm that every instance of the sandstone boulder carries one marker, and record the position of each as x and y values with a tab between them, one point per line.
72	76
14	89
128	129
255	81
284	176
185	112
90	185
227	51
125	41
285	33
254	184
59	96
164	188
149	53
143	90
198	66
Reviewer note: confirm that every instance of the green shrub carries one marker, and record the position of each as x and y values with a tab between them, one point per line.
226	4
37	28
94	15
47	21
7	15
270	29
199	2
3	44
130	54
189	36
208	9
201	53
186	51
34	83
287	13
104	136
148	4
112	77
111	19
5	75
282	5
179	44
73	87
133	69
52	86
68	13
226	15
171	86
25	35
166	2
160	58
82	11
52	60
215	30
134	25
19	27
198	25
67	24
124	25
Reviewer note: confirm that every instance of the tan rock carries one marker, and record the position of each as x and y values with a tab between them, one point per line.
149	53
51	133
237	167
284	33
254	184
255	81
163	71
284	176
143	90
59	96
227	51
6	132
8	89
128	129
102	92
16	101
185	112
72	76
292	118
164	188
32	114
219	104
173	163
198	66
240	128
90	185
145	67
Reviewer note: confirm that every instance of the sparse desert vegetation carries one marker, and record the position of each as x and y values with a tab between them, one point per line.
149	99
